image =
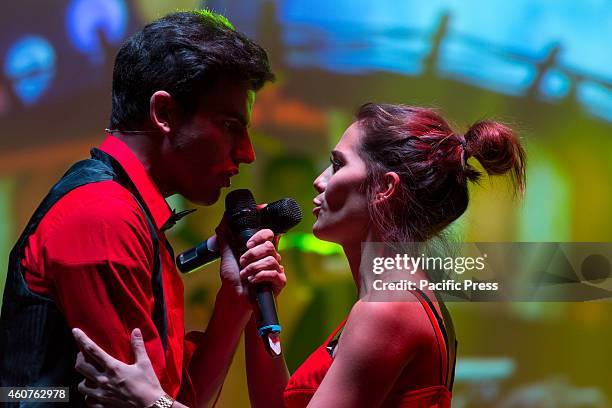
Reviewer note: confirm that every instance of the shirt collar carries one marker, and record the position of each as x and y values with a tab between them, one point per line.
163	216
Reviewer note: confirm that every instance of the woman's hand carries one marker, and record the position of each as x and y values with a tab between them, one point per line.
112	382
260	263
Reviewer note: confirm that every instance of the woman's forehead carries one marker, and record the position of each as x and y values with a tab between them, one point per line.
350	139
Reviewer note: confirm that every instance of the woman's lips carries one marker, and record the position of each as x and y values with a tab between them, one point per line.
317	206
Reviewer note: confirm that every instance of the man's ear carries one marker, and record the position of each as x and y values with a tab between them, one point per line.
391	182
163	111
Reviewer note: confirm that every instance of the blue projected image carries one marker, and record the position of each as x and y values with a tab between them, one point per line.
30	66
349	51
475	64
491	45
555	85
88	20
336	36
597	99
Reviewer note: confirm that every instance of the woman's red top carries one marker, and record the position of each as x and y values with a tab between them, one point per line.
305	381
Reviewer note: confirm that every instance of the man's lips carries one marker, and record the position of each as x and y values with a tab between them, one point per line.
226	179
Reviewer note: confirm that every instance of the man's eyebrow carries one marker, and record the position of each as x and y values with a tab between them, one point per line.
239	117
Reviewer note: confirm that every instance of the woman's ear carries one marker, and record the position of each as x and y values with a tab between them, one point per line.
163	112
389	186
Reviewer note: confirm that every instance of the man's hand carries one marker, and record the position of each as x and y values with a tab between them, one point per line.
113	382
260	263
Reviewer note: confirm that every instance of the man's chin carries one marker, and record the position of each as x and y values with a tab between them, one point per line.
205	200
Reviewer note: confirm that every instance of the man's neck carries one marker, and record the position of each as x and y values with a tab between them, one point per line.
147	149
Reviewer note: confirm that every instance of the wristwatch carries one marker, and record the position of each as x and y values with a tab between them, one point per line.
165	401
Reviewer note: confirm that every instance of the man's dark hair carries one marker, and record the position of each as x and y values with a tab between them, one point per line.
183	53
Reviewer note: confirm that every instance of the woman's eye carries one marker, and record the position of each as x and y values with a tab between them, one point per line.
335	164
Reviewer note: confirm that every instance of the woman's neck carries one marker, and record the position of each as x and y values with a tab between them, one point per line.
364	276
353	253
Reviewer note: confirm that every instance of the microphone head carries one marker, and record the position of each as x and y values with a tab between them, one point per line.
282	215
241	210
239	199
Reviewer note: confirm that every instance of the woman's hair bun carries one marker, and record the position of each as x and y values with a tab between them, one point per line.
498	150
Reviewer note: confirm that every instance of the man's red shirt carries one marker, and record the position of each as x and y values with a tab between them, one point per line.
92	255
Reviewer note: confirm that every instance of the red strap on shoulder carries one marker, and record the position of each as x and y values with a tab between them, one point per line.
442	342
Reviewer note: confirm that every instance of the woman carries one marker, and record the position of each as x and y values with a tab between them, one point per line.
398	174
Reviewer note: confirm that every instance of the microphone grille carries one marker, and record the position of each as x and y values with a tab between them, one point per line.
281	215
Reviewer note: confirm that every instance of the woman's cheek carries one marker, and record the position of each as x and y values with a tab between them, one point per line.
336	195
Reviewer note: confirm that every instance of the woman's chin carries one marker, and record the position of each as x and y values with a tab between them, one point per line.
323	233
319	230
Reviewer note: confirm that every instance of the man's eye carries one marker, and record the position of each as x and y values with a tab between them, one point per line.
233	126
229	124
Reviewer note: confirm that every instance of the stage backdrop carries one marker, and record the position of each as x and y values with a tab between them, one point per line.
542	66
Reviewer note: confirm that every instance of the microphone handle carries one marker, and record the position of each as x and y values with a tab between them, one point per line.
268	326
198	256
267	317
267	321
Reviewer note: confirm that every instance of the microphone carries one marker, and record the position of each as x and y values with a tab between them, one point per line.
279	216
244	222
206	252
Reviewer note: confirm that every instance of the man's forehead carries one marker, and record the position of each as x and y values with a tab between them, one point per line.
227	97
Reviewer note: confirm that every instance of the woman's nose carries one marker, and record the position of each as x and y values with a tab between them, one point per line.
321	182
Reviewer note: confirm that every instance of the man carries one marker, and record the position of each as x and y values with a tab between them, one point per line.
94	254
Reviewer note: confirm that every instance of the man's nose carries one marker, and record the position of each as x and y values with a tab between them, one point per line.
244	153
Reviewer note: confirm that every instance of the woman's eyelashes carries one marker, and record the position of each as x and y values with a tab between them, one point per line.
336	164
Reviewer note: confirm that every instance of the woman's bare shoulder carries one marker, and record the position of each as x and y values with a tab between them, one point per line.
394	326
